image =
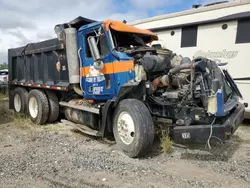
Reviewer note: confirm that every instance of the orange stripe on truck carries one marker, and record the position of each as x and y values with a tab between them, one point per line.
112	68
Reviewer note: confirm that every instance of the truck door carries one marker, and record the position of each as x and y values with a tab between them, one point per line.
97	84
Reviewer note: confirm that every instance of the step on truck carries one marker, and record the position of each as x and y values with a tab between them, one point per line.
105	79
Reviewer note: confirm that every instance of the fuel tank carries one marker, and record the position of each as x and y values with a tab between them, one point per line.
81	117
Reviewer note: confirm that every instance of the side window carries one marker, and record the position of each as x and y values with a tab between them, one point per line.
243	31
189	36
102	45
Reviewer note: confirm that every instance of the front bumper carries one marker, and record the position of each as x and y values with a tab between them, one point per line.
200	133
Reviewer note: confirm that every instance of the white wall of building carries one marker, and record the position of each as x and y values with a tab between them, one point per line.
212	40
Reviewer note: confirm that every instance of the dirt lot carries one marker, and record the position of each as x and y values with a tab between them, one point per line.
58	156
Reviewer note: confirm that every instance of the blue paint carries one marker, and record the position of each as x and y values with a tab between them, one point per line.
89	26
220	104
122	78
116	81
93	88
123	56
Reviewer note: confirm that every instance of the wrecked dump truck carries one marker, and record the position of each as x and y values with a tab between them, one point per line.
106	80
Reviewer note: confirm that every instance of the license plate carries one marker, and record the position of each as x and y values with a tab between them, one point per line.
185	135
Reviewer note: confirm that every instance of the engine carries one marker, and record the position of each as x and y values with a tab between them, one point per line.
183	87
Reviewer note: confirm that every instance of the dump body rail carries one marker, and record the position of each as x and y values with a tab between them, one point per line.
40	64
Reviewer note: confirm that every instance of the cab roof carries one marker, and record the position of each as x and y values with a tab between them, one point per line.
83	23
122	27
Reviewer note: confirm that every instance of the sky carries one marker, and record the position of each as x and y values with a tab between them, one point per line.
23	22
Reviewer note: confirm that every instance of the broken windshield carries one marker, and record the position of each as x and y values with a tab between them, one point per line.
128	40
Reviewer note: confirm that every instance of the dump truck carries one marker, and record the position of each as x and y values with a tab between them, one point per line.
107	80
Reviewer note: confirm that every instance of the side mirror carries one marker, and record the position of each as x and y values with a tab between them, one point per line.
98	64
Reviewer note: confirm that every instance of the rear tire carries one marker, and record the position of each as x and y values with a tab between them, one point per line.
20	100
133	128
38	107
53	107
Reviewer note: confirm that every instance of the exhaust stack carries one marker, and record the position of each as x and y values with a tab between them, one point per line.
72	55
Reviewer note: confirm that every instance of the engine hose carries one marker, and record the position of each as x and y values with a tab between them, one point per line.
156	82
180	67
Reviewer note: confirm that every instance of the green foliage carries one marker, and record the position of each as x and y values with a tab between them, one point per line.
3	66
3	96
166	144
21	121
2	108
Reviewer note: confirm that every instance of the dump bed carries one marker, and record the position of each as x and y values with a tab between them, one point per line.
42	64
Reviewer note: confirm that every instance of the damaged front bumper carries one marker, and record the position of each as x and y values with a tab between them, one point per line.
200	133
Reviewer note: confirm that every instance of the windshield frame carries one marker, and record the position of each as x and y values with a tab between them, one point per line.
116	47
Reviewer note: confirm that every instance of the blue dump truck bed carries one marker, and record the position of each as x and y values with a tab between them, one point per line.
41	64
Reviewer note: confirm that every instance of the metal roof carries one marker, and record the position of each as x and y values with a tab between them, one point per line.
237	16
192	11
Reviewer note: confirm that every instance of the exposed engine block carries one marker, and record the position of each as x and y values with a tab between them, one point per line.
186	86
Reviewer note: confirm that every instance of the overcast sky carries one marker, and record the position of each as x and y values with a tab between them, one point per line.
25	21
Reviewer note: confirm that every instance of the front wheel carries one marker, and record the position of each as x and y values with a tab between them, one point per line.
133	128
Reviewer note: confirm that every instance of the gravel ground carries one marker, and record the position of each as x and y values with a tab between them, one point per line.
58	156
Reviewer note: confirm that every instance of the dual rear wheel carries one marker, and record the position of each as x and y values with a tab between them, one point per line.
41	107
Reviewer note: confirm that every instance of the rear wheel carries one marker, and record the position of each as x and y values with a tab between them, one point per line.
53	106
20	98
38	107
133	127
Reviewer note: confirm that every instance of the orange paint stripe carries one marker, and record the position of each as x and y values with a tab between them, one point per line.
111	68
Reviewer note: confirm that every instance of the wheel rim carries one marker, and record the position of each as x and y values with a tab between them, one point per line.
126	128
33	107
17	103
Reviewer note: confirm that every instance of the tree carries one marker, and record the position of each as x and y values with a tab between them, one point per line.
3	66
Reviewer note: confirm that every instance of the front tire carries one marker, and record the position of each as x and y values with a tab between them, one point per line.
38	107
20	98
133	128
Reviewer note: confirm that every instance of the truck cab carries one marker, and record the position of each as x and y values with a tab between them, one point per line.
103	81
103	76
